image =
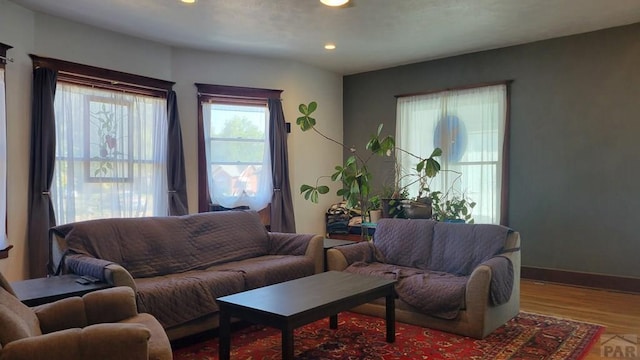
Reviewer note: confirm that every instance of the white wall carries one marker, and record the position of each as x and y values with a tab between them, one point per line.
32	33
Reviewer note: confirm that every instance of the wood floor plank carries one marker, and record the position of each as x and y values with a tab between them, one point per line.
618	312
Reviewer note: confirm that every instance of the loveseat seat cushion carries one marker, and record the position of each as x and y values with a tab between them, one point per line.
270	269
436	293
153	246
194	293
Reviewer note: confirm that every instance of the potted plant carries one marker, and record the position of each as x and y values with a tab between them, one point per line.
353	175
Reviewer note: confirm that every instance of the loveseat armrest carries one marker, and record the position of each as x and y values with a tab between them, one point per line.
103	341
298	244
339	258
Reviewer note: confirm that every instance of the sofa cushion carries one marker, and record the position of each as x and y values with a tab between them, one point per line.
405	242
193	293
435	293
460	248
155	246
271	269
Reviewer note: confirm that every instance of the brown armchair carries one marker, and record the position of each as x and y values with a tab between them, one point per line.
102	325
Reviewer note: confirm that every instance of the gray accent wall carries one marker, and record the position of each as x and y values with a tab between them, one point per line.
575	128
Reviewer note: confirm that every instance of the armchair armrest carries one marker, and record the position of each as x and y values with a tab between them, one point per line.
339	258
110	305
103	341
298	244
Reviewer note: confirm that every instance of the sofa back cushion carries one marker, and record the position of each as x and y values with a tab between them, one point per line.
153	246
460	248
438	246
405	242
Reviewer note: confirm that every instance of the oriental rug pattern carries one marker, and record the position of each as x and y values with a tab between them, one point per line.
527	336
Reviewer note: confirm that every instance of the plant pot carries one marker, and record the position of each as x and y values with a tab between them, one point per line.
392	208
375	215
419	209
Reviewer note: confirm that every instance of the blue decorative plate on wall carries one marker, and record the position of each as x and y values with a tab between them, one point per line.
451	136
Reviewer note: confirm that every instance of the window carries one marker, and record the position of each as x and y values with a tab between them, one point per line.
111	136
469	126
4	247
110	154
235	136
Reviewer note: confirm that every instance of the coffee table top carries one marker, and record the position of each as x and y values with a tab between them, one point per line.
307	293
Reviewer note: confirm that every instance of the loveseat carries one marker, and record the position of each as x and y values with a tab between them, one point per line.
459	278
179	265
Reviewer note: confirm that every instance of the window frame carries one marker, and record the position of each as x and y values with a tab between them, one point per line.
503	217
104	79
232	94
4	247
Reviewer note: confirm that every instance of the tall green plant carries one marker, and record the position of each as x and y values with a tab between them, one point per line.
353	174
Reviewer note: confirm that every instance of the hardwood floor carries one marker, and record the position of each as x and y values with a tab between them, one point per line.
618	312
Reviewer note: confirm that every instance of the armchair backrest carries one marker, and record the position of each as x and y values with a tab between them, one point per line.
18	320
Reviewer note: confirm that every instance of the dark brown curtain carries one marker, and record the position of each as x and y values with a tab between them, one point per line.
282	217
43	151
177	182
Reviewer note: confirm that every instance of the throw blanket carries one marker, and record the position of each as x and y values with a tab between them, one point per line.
155	246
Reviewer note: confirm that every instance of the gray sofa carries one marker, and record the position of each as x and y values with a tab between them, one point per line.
459	278
179	265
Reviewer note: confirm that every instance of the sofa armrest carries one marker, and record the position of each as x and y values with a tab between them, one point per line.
298	244
116	275
110	305
103	341
477	294
339	258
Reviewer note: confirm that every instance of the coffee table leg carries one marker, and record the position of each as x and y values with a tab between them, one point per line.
333	321
287	343
224	349
391	317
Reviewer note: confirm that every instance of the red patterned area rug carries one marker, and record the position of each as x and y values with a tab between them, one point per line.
527	336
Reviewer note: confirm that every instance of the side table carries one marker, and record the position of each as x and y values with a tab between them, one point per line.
331	243
40	291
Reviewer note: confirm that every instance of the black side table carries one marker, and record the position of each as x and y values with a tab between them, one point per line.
40	291
331	243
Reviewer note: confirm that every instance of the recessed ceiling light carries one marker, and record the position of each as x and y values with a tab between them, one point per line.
334	2
330	46
188	1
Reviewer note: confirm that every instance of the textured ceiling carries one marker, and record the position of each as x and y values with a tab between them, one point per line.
369	34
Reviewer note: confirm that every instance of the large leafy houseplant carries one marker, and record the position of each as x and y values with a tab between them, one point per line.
354	175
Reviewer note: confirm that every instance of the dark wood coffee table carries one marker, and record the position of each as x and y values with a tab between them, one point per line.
294	303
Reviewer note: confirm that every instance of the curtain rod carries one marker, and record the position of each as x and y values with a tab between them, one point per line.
6	59
457	88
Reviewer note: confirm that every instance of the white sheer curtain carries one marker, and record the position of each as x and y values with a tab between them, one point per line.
238	163
3	162
110	154
469	126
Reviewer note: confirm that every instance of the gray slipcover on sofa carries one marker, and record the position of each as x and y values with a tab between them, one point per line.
460	278
179	265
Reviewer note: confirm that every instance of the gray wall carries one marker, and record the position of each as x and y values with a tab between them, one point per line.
575	122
